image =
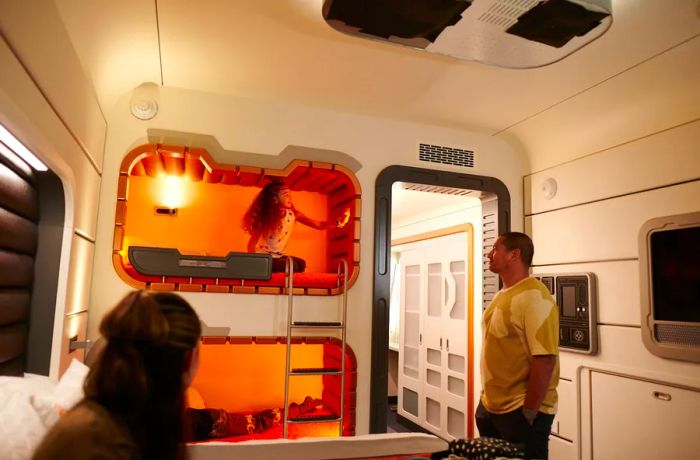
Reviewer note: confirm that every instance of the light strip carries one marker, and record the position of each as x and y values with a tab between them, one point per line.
17	147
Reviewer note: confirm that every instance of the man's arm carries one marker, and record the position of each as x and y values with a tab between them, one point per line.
541	370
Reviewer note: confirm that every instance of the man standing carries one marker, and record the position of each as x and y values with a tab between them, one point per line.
519	361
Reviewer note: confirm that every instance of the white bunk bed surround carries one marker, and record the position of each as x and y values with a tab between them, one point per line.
347	447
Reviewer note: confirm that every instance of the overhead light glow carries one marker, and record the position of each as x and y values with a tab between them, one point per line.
18	148
172	191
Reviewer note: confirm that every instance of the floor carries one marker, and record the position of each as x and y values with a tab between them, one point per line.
392	425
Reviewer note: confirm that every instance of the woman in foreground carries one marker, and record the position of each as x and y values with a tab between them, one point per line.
134	392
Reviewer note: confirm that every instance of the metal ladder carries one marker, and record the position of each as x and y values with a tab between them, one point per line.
294	325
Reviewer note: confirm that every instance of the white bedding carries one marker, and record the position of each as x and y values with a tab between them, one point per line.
348	447
30	405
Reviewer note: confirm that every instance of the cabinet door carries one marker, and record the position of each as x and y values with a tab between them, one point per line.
410	379
434	343
445	337
643	420
455	372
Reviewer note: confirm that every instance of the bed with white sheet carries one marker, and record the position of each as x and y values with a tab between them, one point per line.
31	404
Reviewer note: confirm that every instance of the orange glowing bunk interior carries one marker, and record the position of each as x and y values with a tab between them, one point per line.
180	198
247	374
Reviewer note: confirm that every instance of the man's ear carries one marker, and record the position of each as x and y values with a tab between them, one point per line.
516	254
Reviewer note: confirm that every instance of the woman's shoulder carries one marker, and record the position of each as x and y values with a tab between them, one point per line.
87	431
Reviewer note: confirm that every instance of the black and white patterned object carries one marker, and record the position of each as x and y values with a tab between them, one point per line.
484	449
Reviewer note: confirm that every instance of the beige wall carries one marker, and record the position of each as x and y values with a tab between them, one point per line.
592	225
265	127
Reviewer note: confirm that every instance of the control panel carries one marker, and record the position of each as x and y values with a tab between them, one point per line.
575	294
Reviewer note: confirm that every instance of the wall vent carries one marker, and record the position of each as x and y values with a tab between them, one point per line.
446	155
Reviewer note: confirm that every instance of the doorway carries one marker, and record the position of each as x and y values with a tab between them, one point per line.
495	218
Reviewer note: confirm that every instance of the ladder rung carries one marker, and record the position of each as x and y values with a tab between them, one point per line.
318	324
314	419
314	371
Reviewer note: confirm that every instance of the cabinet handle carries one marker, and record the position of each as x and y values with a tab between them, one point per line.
440	343
662	396
448	345
420	339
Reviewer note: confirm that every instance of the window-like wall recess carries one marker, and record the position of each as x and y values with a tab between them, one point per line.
181	209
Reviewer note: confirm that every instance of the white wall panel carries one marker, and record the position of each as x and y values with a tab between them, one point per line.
565	424
25	112
561	449
669	157
658	94
36	33
617	288
73	326
607	229
79	275
621	350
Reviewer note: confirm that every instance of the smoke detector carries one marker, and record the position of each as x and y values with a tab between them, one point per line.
507	33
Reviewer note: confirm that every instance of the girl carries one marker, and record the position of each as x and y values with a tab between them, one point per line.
270	220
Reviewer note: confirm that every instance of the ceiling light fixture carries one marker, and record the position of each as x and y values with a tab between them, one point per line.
10	145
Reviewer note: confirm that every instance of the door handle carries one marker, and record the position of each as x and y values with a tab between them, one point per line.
420	339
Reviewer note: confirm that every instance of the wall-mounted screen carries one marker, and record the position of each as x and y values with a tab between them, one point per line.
669	250
675	265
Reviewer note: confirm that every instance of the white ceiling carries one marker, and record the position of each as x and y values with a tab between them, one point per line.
283	50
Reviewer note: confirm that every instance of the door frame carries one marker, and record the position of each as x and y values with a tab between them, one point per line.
382	261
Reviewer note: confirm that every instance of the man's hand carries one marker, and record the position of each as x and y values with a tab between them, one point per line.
529	415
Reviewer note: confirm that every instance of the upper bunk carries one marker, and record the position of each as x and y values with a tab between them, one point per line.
179	223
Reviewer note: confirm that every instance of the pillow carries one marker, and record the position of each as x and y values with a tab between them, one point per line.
69	390
194	399
21	428
67	393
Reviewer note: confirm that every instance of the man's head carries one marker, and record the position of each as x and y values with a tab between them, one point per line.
511	249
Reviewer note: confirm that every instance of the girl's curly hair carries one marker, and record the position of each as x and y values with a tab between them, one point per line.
266	211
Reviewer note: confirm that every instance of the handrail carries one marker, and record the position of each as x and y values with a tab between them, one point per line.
289	282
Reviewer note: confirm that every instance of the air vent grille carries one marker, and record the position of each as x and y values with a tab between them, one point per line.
446	155
436	189
505	13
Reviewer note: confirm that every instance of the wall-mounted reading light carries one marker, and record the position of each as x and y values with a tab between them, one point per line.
166	211
11	147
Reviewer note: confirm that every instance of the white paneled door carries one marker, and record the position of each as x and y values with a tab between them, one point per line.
433	365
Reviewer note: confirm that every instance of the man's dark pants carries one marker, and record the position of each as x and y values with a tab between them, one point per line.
513	427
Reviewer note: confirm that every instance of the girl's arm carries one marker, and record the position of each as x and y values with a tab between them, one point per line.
254	237
308	221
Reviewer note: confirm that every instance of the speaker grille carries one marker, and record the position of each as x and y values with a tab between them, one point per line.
446	155
678	334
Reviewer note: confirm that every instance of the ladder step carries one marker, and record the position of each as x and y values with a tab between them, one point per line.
320	324
314	418
314	371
